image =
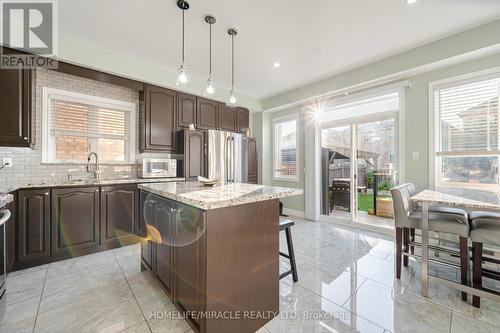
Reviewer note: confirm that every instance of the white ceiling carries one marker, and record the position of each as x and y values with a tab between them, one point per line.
349	33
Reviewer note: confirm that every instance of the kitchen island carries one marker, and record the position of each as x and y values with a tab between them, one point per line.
215	251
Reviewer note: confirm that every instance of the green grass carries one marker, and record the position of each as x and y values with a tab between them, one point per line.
365	201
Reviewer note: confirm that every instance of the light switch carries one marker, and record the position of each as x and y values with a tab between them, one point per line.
415	155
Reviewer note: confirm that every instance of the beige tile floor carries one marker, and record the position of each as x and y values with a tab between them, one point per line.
346	284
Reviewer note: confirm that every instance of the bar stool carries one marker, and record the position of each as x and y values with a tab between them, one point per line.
441	219
485	229
285	225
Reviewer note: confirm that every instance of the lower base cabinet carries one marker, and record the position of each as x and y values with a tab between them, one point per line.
173	250
33	226
164	247
119	212
189	238
75	219
217	261
52	224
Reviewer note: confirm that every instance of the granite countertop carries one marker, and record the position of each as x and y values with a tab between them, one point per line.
219	196
439	198
102	182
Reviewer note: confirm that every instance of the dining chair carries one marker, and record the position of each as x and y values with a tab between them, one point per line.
485	229
408	217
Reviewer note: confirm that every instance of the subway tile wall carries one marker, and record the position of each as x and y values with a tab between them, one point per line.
27	163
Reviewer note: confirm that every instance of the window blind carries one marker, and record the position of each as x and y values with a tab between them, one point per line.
76	124
467	119
85	120
286	149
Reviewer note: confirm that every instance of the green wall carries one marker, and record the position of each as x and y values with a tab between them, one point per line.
262	130
457	50
417	115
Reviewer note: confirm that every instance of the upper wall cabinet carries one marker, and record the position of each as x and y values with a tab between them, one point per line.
227	118
242	121
159	118
207	114
15	107
186	110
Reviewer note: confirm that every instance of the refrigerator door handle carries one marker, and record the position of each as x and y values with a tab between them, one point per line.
227	156
234	158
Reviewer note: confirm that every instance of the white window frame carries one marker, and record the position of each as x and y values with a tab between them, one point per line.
276	121
48	144
434	160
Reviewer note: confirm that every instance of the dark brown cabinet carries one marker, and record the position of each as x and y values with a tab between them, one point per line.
75	219
253	163
157	227
10	235
189	237
119	213
227	118
58	223
195	157
242	120
147	217
159	119
207	112
33	224
15	107
186	110
162	268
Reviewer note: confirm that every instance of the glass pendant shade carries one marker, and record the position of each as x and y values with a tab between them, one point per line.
182	77
232	98
210	87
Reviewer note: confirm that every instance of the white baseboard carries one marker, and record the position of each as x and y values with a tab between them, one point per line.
293	212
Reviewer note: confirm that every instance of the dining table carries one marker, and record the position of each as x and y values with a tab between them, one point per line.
427	199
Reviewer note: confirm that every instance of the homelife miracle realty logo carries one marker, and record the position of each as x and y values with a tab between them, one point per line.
30	26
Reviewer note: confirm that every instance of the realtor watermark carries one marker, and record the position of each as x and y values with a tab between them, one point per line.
29	26
251	315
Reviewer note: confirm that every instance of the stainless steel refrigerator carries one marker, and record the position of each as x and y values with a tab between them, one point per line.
227	157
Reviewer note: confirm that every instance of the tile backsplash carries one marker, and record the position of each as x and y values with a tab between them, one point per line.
27	163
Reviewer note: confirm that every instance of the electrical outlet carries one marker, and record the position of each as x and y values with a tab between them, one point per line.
7	161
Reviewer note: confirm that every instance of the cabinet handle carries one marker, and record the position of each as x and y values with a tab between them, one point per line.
25	138
46	193
97	190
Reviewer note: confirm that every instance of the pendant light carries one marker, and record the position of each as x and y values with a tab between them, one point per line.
210	89
232	96
182	77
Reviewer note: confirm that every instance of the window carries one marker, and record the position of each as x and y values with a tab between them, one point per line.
76	124
467	151
285	149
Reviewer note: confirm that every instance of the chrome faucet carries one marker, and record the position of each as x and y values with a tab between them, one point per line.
97	172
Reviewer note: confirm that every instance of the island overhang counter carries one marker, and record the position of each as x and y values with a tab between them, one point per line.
215	251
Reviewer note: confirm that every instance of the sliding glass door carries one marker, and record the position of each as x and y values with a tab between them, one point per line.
336	156
376	167
359	166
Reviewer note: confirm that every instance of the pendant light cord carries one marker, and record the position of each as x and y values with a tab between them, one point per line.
210	54
183	28
232	60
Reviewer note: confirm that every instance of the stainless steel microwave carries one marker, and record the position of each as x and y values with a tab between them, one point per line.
156	168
